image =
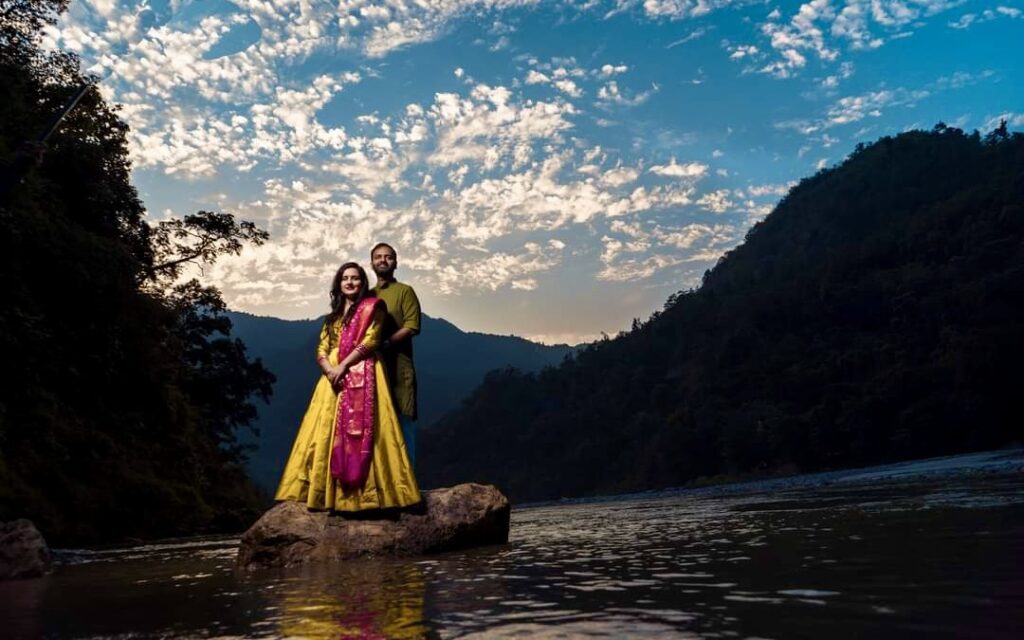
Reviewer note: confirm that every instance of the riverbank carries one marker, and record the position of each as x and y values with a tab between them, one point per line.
1001	461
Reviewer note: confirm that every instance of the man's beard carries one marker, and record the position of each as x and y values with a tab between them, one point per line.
386	274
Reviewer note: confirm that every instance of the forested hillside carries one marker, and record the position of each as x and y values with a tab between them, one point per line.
122	390
876	314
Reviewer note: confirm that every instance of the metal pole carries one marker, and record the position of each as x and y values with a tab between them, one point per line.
30	153
55	122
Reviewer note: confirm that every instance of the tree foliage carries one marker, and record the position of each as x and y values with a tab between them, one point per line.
876	314
198	239
123	391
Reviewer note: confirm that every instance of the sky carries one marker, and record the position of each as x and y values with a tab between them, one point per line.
547	169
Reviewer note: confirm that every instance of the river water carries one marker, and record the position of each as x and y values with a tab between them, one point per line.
921	557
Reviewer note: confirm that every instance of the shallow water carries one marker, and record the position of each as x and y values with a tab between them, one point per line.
926	558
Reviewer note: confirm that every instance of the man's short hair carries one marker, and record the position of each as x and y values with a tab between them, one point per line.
383	244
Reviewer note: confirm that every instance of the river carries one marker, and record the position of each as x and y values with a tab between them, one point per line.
934	555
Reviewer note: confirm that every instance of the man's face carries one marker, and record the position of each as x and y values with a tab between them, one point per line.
384	261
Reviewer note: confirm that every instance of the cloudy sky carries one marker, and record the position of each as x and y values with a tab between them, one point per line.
546	169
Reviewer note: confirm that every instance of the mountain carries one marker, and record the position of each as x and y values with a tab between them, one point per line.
877	314
449	364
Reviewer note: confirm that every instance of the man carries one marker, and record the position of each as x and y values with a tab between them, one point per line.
402	323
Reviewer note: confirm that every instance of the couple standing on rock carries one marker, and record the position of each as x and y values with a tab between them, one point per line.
355	448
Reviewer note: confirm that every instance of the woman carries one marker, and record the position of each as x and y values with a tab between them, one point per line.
349	454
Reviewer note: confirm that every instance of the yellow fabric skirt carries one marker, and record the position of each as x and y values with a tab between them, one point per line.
307	476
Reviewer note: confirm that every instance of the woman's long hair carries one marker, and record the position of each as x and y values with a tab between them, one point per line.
338	299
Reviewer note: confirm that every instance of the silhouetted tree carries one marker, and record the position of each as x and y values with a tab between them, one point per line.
123	390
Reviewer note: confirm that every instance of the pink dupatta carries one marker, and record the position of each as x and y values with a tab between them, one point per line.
353	423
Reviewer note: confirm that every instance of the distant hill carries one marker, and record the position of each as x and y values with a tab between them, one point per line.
449	364
877	314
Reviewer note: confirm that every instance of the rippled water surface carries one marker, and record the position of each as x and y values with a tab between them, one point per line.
926	558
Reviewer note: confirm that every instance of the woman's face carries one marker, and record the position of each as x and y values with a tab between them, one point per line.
351	283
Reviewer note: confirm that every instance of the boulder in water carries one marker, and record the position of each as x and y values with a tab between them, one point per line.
459	517
23	552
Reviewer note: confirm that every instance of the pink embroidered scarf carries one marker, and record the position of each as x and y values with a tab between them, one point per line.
353	423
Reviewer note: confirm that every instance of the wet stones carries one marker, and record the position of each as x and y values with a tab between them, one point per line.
23	552
459	517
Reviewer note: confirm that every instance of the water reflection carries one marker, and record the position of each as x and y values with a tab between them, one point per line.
353	600
897	559
23	600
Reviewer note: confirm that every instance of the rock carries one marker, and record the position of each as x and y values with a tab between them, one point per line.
466	515
23	552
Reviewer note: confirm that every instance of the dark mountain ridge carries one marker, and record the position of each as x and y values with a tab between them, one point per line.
450	363
877	314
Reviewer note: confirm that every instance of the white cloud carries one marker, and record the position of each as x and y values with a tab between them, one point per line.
593	153
568	87
195	141
961	79
716	201
635	269
636	252
298	28
852	24
690	235
467	177
693	35
251	116
679	9
536	77
845	71
458	175
619	176
743	51
489	125
685	170
610	94
855	108
802	32
374	12
544	198
567	70
822	27
414	21
1012	119
500	269
761	190
852	109
316	224
967	20
608	70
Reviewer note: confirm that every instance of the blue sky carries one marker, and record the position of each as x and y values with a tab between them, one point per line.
545	169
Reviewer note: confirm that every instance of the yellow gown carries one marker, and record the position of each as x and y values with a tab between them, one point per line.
307	476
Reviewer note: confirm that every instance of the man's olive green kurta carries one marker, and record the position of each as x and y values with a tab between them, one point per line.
403	313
